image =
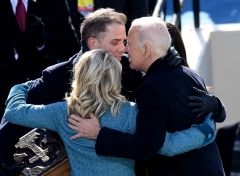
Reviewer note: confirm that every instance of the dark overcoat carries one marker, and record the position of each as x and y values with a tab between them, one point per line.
162	100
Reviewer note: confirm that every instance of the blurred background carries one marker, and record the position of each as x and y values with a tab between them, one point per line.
213	47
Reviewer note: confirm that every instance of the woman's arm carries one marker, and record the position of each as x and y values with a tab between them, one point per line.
36	116
193	138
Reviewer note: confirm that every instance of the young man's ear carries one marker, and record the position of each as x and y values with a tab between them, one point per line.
92	43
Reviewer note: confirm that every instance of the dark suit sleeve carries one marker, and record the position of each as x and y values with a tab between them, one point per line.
63	43
150	131
53	84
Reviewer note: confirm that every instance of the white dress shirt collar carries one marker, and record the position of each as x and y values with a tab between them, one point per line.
14	5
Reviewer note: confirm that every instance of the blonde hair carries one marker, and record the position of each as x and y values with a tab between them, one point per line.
96	85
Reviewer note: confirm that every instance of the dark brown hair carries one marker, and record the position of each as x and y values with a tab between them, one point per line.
177	41
94	24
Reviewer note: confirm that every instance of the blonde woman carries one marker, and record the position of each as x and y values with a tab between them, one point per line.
95	88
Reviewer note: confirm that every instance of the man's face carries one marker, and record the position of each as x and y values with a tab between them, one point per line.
113	41
135	52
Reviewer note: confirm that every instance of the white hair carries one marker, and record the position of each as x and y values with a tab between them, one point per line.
153	31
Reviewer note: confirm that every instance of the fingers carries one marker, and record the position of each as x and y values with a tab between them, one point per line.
178	63
39	25
75	117
86	128
197	110
199	115
194	98
169	60
92	116
195	105
73	121
73	127
172	60
75	136
33	18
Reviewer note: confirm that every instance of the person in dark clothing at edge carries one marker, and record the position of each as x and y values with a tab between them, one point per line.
49	88
32	40
161	98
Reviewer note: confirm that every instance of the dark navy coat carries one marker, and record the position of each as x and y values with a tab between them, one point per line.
162	101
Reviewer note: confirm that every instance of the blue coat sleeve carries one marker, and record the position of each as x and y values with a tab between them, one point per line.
193	138
35	116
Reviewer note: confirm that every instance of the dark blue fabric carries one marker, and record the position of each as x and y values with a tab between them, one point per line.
163	106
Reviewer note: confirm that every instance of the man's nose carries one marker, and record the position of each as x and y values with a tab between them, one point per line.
122	48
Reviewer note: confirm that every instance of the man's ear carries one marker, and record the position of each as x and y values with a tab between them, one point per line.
147	51
92	43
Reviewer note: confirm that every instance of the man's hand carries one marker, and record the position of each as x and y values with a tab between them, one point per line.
86	128
36	31
204	103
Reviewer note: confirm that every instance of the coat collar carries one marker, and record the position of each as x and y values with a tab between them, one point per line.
84	49
156	65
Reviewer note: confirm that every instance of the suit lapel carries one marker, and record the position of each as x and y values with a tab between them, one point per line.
9	14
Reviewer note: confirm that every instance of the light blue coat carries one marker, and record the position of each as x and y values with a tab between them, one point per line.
81	152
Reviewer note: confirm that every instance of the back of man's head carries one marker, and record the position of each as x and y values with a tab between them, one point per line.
153	31
95	23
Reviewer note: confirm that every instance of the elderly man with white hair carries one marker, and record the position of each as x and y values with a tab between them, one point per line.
162	100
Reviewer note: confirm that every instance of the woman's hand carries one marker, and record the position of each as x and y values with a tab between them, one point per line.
204	103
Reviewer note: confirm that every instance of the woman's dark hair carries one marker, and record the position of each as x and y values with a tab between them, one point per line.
177	41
